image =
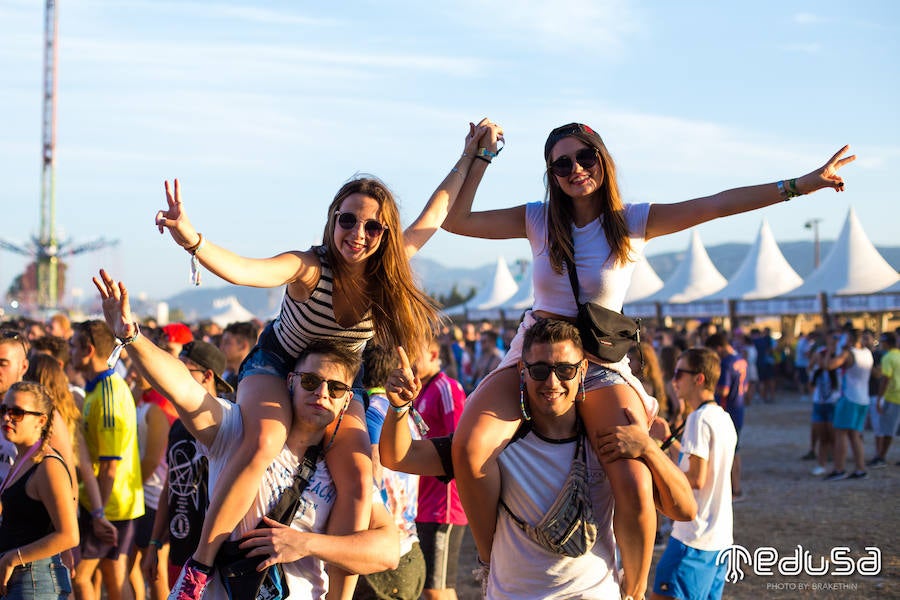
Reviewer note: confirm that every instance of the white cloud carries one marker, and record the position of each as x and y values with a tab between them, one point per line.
804	18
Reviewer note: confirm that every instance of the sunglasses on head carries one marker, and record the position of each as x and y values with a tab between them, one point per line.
680	372
540	371
311	382
15	413
10	334
563	166
348	221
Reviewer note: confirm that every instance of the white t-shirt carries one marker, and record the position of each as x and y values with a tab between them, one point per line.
533	471
856	377
153	487
709	434
8	455
306	577
599	279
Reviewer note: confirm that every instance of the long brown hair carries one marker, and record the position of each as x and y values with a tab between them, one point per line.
45	370
561	218
403	315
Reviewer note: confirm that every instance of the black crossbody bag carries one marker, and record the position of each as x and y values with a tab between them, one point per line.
238	571
605	333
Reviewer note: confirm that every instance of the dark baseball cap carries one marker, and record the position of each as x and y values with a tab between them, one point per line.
209	357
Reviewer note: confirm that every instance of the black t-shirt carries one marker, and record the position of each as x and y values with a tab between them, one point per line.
188	492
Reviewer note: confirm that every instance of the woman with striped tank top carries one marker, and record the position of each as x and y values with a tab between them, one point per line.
356	286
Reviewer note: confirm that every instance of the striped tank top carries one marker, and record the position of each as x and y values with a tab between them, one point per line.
299	323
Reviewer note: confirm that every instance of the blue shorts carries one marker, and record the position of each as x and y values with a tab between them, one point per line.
690	574
888	421
598	377
267	358
823	412
850	415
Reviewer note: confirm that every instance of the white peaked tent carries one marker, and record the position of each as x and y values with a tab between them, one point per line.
695	277
853	266
523	298
644	281
503	286
229	310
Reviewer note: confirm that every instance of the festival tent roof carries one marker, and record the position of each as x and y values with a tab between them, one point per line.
695	277
644	281
503	287
854	266
765	272
524	297
228	310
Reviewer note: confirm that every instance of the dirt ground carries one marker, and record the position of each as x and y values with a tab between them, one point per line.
787	508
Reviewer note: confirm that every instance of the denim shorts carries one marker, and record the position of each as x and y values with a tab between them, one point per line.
599	377
44	579
823	412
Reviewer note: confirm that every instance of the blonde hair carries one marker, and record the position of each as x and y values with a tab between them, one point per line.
403	315
45	404
45	370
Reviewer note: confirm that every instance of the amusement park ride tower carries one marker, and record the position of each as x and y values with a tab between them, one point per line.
43	274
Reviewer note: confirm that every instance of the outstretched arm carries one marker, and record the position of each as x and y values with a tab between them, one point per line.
671	488
435	210
396	448
669	218
275	271
499	224
199	411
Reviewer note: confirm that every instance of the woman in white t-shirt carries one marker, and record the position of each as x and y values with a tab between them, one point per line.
583	220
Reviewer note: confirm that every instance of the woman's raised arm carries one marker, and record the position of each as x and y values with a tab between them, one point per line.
670	218
275	271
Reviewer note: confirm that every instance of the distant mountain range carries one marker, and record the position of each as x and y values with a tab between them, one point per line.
438	279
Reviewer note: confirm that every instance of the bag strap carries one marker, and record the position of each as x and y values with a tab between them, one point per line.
573	279
287	505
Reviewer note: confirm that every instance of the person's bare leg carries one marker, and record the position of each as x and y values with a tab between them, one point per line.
859	453
266	412
350	464
135	588
736	476
114	576
840	449
83	581
489	420
634	519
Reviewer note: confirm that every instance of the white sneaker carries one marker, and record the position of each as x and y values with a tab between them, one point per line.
818	471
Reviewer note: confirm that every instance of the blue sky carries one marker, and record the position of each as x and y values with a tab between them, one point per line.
264	109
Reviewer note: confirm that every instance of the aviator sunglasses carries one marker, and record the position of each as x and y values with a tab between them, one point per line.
311	382
540	371
563	166
348	221
15	413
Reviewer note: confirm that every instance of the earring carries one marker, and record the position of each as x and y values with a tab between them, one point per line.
582	386
525	414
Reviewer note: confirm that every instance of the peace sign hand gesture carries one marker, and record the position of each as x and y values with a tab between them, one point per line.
175	219
826	176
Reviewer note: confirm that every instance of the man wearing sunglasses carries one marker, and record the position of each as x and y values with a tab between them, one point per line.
319	388
13	364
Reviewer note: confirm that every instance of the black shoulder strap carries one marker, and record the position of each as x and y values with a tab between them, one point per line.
59	457
287	505
573	279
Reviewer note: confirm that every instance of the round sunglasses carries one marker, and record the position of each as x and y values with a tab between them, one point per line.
348	221
540	371
311	382
15	413
563	166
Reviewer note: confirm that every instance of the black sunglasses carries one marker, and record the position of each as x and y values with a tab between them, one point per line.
10	334
563	166
680	372
540	371
15	413
311	382
348	221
